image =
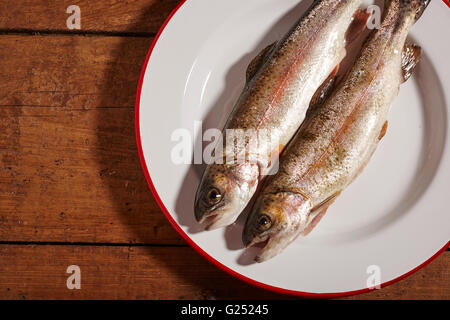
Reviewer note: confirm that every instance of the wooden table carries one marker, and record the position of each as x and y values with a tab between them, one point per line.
71	187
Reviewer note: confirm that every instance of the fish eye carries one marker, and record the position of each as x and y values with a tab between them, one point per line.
213	197
264	222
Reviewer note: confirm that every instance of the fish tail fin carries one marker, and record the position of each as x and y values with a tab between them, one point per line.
417	6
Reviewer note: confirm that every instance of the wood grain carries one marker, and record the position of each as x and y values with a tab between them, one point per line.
74	176
76	72
69	171
69	165
39	272
141	16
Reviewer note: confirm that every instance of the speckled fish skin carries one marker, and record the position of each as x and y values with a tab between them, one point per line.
337	139
276	98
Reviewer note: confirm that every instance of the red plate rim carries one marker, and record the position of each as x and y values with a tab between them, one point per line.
193	244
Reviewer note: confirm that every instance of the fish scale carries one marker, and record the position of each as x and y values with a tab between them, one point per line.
281	82
339	136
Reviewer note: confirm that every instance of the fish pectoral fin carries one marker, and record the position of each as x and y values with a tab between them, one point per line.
258	61
410	58
383	131
324	204
318	212
314	221
358	25
325	89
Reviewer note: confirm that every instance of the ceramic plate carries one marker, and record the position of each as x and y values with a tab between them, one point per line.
390	222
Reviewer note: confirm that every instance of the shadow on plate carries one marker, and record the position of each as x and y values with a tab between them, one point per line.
434	112
128	189
223	106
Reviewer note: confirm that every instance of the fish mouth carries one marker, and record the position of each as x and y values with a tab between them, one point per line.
202	216
215	220
267	250
218	220
201	219
257	242
270	246
263	244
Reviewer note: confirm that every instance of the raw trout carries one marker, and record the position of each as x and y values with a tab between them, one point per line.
281	82
339	136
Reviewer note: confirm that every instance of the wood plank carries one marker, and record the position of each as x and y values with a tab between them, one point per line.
69	166
39	272
74	176
429	283
77	72
108	16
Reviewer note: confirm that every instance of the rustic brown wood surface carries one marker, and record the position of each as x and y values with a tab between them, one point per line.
116	16
70	165
71	187
39	271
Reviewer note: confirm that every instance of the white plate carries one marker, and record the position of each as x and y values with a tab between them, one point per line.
386	225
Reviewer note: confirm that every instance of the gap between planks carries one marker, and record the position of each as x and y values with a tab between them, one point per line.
92	244
32	32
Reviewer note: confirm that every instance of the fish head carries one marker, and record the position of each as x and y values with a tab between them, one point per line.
276	220
224	192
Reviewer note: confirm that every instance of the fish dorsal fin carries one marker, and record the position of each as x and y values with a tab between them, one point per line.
410	58
258	61
318	212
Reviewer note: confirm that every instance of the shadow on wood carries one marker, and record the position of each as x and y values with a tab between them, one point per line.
130	202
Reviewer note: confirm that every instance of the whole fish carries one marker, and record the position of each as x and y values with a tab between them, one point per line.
339	136
281	82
